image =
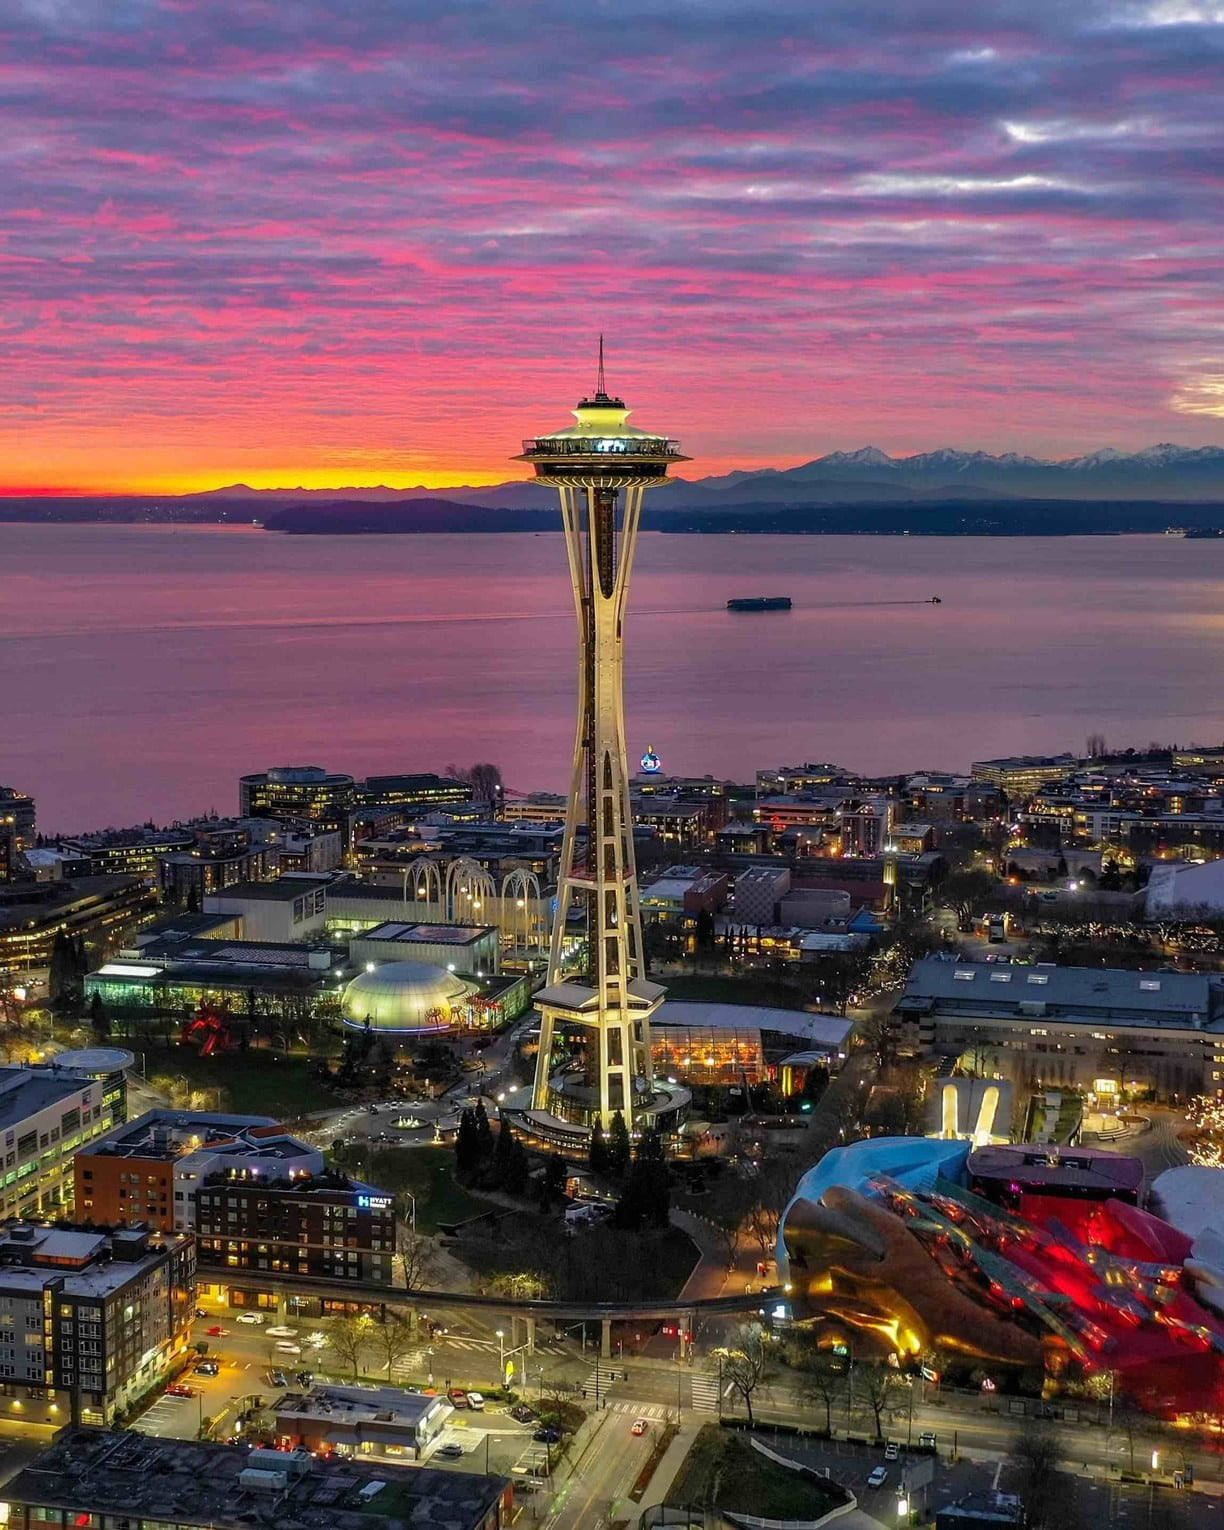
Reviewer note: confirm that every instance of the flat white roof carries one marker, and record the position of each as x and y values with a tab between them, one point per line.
817	1030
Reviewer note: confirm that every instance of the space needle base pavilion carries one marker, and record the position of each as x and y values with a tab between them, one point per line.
596	1007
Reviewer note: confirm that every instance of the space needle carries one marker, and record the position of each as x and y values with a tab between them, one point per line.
594	1058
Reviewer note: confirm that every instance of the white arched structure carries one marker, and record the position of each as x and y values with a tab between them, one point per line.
470	891
423	879
523	925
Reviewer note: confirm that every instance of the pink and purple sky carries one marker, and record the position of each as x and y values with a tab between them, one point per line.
372	241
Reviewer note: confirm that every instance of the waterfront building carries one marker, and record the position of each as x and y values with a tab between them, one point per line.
411	795
128	852
128	1481
601	467
1019	776
291	792
536	807
89	1319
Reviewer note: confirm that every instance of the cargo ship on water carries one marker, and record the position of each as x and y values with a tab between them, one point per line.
761	603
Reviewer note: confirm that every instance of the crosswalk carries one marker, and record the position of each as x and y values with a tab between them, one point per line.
705	1392
657	1413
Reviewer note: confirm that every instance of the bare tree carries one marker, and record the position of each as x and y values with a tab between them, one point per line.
1034	1454
393	1340
743	1362
771	1190
821	1382
415	1254
350	1340
879	1388
728	1211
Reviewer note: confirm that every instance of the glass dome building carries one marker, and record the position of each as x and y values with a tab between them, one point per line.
406	998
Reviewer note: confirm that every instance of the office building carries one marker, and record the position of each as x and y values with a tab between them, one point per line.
89	1319
114	1480
291	792
129	852
1104	1030
290	909
17	809
1019	776
46	1114
411	795
104	911
536	807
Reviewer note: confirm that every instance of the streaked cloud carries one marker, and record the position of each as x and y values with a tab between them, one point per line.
240	239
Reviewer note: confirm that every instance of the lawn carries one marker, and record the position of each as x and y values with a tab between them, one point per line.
428	1174
715	988
602	1264
722	1471
256	1082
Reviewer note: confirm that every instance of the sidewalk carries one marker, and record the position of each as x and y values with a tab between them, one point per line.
668	1468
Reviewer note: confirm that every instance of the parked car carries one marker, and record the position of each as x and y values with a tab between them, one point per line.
200	1313
451	1452
177	1389
878	1477
250	1319
639	1426
892	1451
548	1435
305	1378
927	1438
207	1368
522	1414
277	1379
458	1397
475	1401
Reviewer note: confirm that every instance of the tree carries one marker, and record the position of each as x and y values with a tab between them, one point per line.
350	1340
552	1181
484	1132
98	1018
969	893
517	1174
879	1387
597	1152
742	1363
619	1147
1034	1455
728	1211
467	1146
821	1382
415	1254
393	1340
646	1199
770	1191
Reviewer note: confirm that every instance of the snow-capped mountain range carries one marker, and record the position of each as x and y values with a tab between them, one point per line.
1189	474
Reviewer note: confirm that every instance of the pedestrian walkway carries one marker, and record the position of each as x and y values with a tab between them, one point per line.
705	1392
657	1413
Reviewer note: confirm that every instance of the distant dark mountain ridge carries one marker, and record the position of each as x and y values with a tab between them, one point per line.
1177	474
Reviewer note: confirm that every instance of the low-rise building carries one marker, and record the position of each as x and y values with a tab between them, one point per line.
128	852
287	910
1019	776
1108	1031
680	893
466	948
758	893
104	911
370	1421
89	1319
536	807
291	792
126	1481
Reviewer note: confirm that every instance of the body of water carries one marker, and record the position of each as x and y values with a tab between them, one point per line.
143	669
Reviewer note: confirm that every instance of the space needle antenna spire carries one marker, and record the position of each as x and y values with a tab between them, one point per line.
594	1060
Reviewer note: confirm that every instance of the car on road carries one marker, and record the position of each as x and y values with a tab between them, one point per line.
458	1397
548	1435
639	1426
892	1451
449	1452
280	1333
277	1379
249	1319
928	1439
207	1368
522	1414
216	1331
476	1401
177	1389
284	1347
200	1313
878	1477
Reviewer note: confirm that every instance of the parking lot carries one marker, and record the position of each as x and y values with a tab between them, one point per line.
1090	1499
